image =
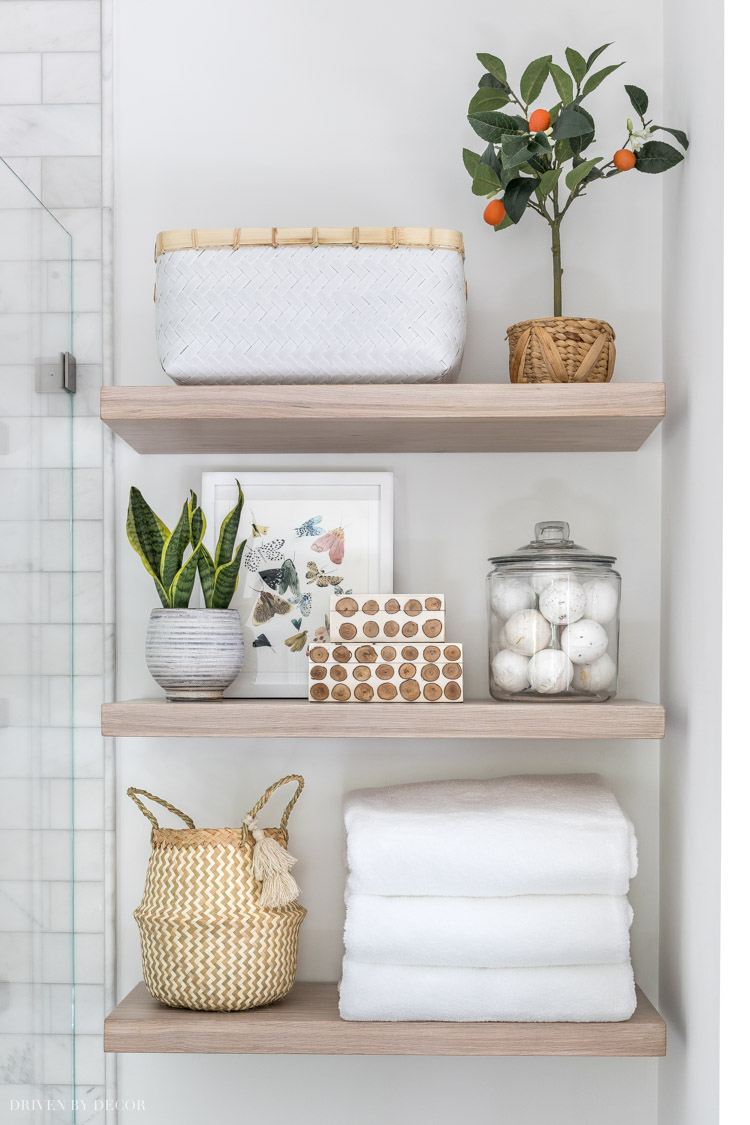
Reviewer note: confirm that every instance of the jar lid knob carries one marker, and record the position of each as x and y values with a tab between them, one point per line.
552	531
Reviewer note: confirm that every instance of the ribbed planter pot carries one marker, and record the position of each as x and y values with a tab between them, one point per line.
194	654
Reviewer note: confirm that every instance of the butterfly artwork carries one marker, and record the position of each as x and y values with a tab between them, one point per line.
339	590
282	578
319	578
296	622
265	552
262	641
304	604
297	642
259	529
268	606
309	527
333	543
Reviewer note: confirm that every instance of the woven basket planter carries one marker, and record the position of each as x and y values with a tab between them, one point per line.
310	305
561	349
206	942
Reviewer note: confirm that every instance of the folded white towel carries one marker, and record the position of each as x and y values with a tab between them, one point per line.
578	993
544	835
489	933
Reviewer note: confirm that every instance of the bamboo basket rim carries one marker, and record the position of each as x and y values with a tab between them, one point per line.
522	324
426	238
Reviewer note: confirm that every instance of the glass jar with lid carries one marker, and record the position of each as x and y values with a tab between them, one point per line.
554	620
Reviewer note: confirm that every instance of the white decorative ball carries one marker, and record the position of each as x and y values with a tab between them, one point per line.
585	641
543	579
500	640
601	600
597	676
550	671
510	595
510	670
526	632
563	601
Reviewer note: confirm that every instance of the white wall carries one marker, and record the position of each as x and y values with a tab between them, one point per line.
691	605
328	114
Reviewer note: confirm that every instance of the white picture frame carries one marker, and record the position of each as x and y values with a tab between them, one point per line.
281	505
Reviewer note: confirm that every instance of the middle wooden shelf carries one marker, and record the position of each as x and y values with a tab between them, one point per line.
298	718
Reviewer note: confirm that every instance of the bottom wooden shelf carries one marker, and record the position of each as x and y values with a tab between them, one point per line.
307	1023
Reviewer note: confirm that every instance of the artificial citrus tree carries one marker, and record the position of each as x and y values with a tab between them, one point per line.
535	159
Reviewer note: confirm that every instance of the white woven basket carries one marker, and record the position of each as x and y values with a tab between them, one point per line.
309	305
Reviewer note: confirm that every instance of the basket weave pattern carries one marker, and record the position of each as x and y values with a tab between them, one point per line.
206	944
561	349
309	314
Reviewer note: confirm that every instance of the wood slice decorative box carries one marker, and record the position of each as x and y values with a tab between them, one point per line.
427	673
384	617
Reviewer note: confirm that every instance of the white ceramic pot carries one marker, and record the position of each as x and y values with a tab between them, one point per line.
194	653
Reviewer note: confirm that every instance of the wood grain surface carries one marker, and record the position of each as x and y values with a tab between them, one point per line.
307	1023
448	417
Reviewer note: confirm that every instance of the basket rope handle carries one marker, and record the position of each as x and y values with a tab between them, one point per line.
160	801
269	793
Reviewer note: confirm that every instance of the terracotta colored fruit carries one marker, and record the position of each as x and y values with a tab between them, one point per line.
539	121
494	212
624	159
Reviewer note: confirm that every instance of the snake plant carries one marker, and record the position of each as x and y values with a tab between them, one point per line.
162	551
218	575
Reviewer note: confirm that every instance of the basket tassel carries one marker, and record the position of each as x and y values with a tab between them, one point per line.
271	868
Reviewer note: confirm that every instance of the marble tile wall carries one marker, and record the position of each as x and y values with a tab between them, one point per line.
51	136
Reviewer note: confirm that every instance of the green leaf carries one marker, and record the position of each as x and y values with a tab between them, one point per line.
488	98
174	548
507	222
489	156
572	122
563	83
491	126
576	64
548	181
486	181
147	536
595	55
517	195
228	531
563	151
578	144
488	80
676	133
657	156
471	161
226	580
638	100
580	172
597	79
515	150
494	65
534	77
182	586
207	574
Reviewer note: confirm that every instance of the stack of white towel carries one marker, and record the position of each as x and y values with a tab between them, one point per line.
489	900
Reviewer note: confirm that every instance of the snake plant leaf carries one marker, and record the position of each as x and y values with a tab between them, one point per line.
206	573
147	536
228	532
226	580
494	65
174	548
534	77
182	585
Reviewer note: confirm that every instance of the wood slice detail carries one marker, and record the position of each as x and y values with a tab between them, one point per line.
388	652
384	671
453	690
391	628
319	654
364	692
319	692
411	629
371	629
392	605
341	693
412	607
387	691
407	671
409	690
452	652
361	672
348	631
433	604
409	652
317	672
342	654
432	692
430	672
432	627
431	653
365	654
371	606
338	673
347	607
452	671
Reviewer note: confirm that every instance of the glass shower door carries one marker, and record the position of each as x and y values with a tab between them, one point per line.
37	700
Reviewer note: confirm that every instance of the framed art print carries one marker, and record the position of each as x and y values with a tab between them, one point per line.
309	535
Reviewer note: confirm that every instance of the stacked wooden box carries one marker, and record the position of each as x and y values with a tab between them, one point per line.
389	648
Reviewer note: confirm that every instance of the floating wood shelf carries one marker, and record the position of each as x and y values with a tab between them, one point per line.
307	1023
296	718
433	418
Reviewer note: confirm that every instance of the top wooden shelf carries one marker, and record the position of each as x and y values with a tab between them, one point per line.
429	418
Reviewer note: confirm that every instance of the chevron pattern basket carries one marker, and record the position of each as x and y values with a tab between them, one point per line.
206	942
294	305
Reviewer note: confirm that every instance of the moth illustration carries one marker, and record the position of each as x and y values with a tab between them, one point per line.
333	543
262	641
267	606
319	578
297	622
340	590
303	603
309	528
259	529
282	578
265	552
297	642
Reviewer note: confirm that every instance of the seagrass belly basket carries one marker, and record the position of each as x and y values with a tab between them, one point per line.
219	920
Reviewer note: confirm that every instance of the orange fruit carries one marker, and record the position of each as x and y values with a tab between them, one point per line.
539	121
494	212
624	159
